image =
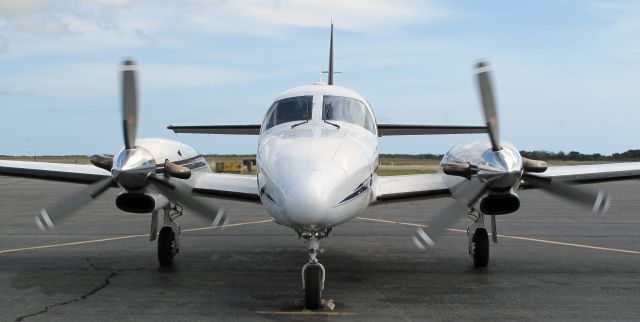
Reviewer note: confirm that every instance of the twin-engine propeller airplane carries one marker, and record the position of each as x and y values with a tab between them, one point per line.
318	161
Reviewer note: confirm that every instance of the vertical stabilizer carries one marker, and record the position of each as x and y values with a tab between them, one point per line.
330	80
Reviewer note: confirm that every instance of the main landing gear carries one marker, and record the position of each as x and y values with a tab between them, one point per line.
479	239
313	273
169	236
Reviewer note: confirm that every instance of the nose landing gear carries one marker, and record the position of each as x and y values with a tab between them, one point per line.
313	273
169	236
313	276
478	240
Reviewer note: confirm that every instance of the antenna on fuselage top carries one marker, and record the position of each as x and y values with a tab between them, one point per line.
331	72
330	78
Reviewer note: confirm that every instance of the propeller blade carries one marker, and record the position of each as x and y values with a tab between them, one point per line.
129	103
599	201
49	217
466	195
180	192
488	103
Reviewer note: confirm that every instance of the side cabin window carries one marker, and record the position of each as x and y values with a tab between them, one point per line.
288	110
345	109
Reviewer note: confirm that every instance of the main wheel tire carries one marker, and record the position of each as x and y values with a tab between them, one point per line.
166	246
480	248
312	287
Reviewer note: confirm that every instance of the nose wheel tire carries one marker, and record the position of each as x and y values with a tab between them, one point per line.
167	246
312	287
480	248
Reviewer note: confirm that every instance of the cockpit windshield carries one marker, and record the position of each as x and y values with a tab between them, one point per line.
288	110
338	108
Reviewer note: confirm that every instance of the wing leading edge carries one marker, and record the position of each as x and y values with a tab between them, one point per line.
248	129
404	129
383	129
411	187
75	173
228	186
592	173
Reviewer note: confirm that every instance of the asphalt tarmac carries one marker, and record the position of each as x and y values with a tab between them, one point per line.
553	260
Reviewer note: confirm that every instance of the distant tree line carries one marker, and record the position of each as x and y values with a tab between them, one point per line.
629	155
427	156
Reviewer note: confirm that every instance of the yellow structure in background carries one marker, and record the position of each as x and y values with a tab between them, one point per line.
228	167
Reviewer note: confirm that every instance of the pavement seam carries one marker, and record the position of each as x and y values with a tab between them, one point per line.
101	287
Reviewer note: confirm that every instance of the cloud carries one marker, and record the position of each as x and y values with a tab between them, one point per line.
4	44
18	8
95	79
269	17
41	25
10	9
621	23
161	77
9	89
47	18
94	18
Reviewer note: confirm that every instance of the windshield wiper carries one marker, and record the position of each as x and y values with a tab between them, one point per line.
298	124
334	124
303	122
328	112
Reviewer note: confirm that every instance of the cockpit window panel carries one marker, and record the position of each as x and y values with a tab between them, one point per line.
290	109
346	109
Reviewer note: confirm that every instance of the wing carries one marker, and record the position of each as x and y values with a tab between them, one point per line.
410	187
592	173
428	186
383	129
76	173
228	186
402	129
249	129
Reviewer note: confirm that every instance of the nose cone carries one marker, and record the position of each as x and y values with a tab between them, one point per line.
311	196
133	167
501	168
506	160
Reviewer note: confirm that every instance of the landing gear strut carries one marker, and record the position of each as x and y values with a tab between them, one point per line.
478	240
169	237
313	273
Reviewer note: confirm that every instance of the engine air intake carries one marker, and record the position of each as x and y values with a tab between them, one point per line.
499	204
136	203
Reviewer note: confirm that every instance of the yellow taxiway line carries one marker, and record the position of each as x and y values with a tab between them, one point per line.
306	312
537	240
544	241
102	240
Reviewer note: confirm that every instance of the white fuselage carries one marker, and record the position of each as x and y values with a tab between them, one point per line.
315	175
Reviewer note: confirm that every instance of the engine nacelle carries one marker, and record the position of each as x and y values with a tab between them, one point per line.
141	203
500	204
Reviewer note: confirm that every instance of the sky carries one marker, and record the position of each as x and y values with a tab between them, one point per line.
566	72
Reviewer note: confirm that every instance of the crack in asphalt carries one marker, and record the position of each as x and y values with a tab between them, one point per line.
101	287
